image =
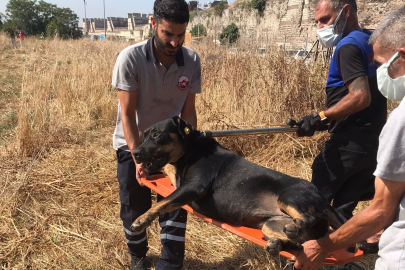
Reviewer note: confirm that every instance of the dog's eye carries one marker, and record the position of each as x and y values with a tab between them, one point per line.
156	134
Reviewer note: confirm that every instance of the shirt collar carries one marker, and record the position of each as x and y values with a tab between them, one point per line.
150	55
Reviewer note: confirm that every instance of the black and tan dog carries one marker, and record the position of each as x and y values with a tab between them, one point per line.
221	185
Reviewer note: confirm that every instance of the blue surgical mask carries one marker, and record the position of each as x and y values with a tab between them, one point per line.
327	35
390	88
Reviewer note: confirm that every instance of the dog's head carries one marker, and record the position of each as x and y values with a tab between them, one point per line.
163	143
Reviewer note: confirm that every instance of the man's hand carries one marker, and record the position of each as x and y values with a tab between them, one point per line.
308	124
140	173
311	257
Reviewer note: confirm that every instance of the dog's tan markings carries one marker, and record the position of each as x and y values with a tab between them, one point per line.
269	233
273	233
311	211
170	171
174	148
291	211
173	136
158	209
268	205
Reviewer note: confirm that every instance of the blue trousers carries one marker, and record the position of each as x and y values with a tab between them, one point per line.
135	201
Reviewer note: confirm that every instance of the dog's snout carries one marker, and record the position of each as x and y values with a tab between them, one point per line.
137	155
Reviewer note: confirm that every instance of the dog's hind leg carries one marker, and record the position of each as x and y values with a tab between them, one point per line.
276	239
305	225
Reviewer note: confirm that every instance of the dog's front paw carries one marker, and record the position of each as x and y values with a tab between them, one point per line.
273	246
141	223
293	230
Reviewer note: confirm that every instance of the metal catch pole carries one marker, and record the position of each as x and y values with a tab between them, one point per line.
257	131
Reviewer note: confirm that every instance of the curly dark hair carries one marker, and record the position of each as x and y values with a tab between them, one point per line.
175	11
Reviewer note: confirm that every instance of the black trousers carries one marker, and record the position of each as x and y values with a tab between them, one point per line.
136	200
343	171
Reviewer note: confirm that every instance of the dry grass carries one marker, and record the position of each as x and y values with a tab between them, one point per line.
59	204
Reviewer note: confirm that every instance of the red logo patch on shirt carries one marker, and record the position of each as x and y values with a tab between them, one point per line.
183	83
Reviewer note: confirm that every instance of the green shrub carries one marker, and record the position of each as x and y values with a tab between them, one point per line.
194	31
192	15
229	34
245	5
220	8
260	5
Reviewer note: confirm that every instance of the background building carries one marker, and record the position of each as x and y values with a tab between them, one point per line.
136	26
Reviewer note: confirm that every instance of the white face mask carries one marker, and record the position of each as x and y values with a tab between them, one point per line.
327	36
390	88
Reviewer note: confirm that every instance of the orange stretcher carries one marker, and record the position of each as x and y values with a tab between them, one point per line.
163	186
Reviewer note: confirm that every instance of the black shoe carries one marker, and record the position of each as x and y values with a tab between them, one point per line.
138	263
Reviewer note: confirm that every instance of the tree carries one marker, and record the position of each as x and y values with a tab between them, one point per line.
260	5
2	19
229	34
63	24
194	31
46	13
23	15
9	27
220	8
39	18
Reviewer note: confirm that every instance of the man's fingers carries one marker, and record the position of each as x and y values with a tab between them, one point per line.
297	265
139	181
139	175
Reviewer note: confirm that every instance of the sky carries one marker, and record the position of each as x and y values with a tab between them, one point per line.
95	8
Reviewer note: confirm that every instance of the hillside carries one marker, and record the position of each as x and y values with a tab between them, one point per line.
284	22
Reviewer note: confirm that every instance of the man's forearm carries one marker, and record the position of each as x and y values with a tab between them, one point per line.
360	227
356	100
345	107
131	132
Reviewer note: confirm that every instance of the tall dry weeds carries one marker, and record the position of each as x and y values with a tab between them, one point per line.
59	206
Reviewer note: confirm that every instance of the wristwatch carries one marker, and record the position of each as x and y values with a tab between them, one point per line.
323	117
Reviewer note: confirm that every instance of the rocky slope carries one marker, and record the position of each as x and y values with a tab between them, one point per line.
286	23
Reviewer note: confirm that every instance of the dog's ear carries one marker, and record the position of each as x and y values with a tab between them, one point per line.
184	128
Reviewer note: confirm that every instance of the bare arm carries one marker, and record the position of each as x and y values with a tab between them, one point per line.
188	112
368	222
356	100
128	101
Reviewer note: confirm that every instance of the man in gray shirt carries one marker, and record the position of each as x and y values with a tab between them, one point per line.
156	79
387	207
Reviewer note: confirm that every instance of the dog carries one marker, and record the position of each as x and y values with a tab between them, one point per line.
222	185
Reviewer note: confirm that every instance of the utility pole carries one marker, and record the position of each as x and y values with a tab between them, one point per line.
198	22
306	43
105	31
85	17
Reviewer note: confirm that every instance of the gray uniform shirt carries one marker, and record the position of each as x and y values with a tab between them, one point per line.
391	166
161	92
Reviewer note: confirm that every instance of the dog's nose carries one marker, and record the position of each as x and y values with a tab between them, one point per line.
136	153
137	156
